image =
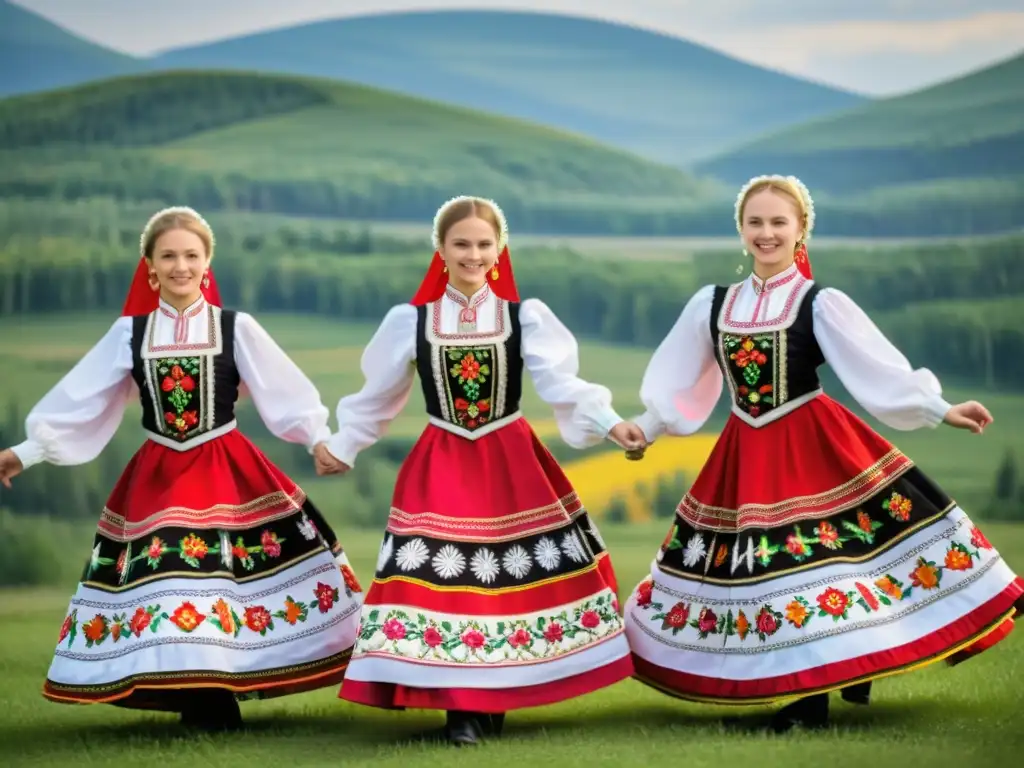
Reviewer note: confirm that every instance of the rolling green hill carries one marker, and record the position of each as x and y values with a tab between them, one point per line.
658	96
315	147
37	55
231	141
661	97
965	131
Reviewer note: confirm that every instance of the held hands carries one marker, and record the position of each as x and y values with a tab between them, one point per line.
326	463
971	415
10	466
631	437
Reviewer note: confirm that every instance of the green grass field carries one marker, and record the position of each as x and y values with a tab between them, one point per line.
933	717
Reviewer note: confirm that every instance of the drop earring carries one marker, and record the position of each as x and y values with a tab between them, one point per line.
494	272
206	281
741	267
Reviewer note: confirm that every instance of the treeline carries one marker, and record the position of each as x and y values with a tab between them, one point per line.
148	109
850	170
966	295
132	178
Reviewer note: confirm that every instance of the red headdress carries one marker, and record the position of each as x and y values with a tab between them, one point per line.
142	297
803	261
436	280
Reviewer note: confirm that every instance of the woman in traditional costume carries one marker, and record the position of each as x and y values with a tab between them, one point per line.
213	578
493	589
810	554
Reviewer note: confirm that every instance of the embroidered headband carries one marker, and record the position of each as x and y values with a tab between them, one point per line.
502	222
795	183
182	210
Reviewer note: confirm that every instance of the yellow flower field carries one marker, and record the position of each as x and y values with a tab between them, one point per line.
604	476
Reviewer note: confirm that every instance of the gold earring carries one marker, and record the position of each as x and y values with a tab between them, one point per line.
206	281
445	268
494	272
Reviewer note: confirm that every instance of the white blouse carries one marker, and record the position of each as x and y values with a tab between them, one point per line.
78	417
683	381
582	410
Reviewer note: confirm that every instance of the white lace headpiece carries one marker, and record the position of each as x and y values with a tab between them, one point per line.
502	222
177	209
792	180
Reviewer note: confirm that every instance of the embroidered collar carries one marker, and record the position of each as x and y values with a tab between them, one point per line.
462	300
467	315
191	310
181	318
764	286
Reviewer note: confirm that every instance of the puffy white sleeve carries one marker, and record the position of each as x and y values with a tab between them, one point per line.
78	417
285	398
389	372
682	382
583	411
875	373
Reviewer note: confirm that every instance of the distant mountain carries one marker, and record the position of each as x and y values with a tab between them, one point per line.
299	146
658	96
37	55
954	133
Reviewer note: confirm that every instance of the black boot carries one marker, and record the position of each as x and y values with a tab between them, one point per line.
214	709
491	725
858	694
463	728
811	712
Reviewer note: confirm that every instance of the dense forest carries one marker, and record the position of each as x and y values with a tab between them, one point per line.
952	306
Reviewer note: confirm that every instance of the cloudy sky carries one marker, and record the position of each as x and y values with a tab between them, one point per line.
871	46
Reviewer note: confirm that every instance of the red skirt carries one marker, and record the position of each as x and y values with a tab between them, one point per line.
808	463
493	590
223	482
811	554
210	569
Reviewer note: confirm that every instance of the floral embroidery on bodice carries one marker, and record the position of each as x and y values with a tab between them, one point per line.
472	381
769	361
187	390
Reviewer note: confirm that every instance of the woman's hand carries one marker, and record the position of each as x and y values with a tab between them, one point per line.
971	415
631	437
326	463
10	466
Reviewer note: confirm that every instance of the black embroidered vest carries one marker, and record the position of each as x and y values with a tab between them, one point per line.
186	390
768	365
471	381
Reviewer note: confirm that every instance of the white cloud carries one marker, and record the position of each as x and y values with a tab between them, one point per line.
881	56
856	38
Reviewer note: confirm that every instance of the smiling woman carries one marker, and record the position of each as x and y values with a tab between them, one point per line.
493	590
213	578
810	555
